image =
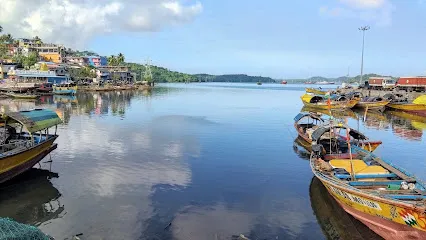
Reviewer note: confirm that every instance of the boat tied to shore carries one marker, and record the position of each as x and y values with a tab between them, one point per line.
386	198
418	106
65	89
365	102
307	123
25	140
328	102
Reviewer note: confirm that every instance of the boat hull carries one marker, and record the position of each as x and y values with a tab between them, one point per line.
370	146
16	164
22	96
372	105
388	219
65	90
419	109
333	105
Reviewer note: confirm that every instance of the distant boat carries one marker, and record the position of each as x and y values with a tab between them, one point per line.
284	82
325	82
259	83
309	82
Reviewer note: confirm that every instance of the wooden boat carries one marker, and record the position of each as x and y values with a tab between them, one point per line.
45	88
315	91
370	103
20	151
259	83
334	221
307	123
317	101
418	106
65	89
22	95
384	197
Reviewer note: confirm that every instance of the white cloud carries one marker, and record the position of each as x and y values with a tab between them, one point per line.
78	21
365	4
378	12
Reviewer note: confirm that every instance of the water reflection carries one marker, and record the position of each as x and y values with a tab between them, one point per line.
302	148
334	221
404	125
178	163
31	198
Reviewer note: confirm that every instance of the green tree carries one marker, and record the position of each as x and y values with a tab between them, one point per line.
112	60
37	39
1	29
30	60
120	59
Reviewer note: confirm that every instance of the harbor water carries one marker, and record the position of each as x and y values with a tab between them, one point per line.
192	161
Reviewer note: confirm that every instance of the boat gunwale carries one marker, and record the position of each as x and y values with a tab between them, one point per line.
53	136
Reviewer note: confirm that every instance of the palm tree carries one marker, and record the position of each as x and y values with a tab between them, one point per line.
1	29
111	60
120	58
37	39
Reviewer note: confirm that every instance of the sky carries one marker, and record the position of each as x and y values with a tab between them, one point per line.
274	38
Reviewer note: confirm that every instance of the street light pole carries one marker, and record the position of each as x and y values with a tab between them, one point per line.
363	29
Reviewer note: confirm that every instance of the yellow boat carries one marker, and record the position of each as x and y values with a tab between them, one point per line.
20	151
418	106
334	221
316	101
387	199
372	105
315	91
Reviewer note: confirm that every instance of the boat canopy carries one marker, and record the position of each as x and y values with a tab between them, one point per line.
420	100
34	120
354	94
321	130
310	115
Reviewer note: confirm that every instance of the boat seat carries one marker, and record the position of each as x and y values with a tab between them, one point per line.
360	167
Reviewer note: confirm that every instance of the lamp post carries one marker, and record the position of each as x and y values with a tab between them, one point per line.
363	29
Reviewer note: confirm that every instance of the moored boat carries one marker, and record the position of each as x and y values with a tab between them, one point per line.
317	101
418	106
19	150
387	199
372	103
283	82
65	89
259	83
45	87
307	123
22	95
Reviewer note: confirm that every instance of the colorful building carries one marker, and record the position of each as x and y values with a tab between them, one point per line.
47	51
96	61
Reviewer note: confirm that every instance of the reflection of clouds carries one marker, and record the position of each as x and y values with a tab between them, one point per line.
221	222
126	157
217	222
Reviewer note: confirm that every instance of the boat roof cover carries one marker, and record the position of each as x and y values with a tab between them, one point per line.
420	100
304	114
316	135
35	120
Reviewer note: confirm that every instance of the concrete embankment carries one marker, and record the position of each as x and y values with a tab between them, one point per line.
380	93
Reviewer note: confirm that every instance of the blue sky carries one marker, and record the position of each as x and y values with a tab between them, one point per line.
276	38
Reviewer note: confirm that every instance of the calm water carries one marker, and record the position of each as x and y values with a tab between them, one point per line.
191	161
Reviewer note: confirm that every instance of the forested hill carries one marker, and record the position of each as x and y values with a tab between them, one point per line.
232	78
160	74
